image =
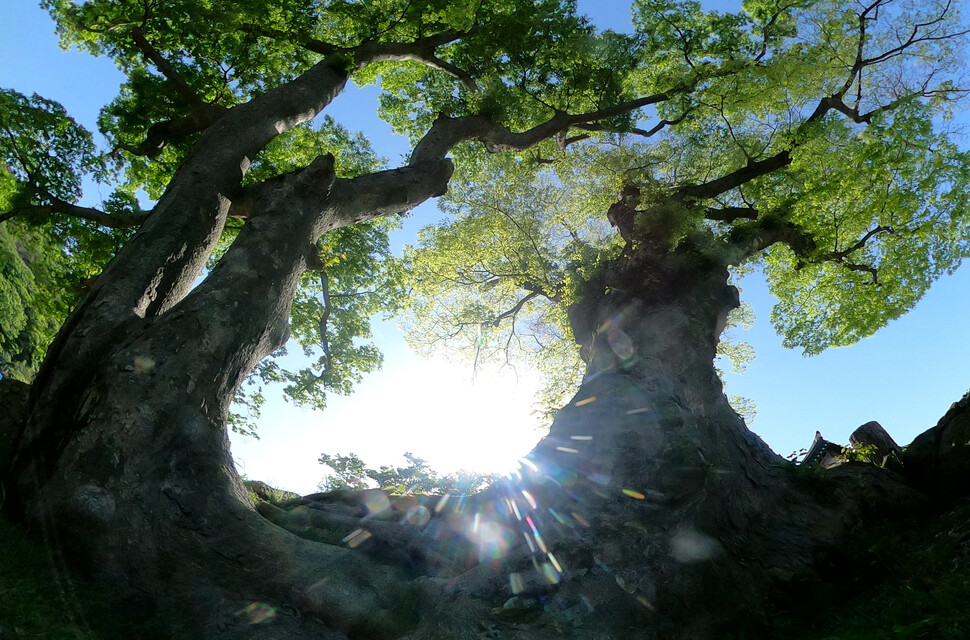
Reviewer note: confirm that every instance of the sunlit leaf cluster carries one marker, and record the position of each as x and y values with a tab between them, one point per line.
824	120
415	477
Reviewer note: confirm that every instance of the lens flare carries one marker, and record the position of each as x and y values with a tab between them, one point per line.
356	538
418	516
549	573
376	502
528	498
257	612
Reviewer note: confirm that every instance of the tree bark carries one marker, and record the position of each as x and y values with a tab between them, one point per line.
129	475
649	511
653	512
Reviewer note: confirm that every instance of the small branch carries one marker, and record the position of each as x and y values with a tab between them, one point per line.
324	320
646	133
841	255
463	76
555	297
166	69
562	141
872	271
515	309
915	38
730	214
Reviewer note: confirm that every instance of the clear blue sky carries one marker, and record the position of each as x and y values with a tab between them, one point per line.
905	377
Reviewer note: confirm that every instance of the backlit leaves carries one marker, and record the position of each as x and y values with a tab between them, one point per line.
43	148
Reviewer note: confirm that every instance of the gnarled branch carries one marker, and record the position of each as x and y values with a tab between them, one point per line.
160	134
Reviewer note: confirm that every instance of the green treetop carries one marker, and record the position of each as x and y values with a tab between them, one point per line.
816	147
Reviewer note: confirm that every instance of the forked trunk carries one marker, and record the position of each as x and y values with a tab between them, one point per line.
650	511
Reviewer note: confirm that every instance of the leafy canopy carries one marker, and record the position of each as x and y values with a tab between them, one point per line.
816	148
189	63
807	137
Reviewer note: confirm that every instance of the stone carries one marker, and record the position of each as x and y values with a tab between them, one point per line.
938	460
883	450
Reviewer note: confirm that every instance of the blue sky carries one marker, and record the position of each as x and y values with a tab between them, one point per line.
905	376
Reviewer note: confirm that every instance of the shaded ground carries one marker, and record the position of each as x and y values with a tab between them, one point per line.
904	579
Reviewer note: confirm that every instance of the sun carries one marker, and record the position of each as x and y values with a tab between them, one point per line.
431	408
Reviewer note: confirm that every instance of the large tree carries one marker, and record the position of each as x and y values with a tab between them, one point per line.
805	131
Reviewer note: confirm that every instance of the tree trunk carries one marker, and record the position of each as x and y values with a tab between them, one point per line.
123	462
649	511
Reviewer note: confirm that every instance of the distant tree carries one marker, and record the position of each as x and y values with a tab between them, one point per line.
804	131
417	476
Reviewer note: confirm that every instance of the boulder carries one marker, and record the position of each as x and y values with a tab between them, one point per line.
938	460
881	450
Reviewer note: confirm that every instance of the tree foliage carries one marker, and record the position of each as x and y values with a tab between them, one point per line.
750	127
417	476
817	148
47	258
187	64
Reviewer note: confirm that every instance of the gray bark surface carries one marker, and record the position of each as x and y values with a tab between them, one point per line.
650	510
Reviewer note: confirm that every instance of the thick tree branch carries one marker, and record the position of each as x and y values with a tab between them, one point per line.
757	168
421	50
753	169
84	213
448	132
751	238
160	264
160	134
389	192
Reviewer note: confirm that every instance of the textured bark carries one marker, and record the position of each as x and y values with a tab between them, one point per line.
649	511
124	464
668	518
